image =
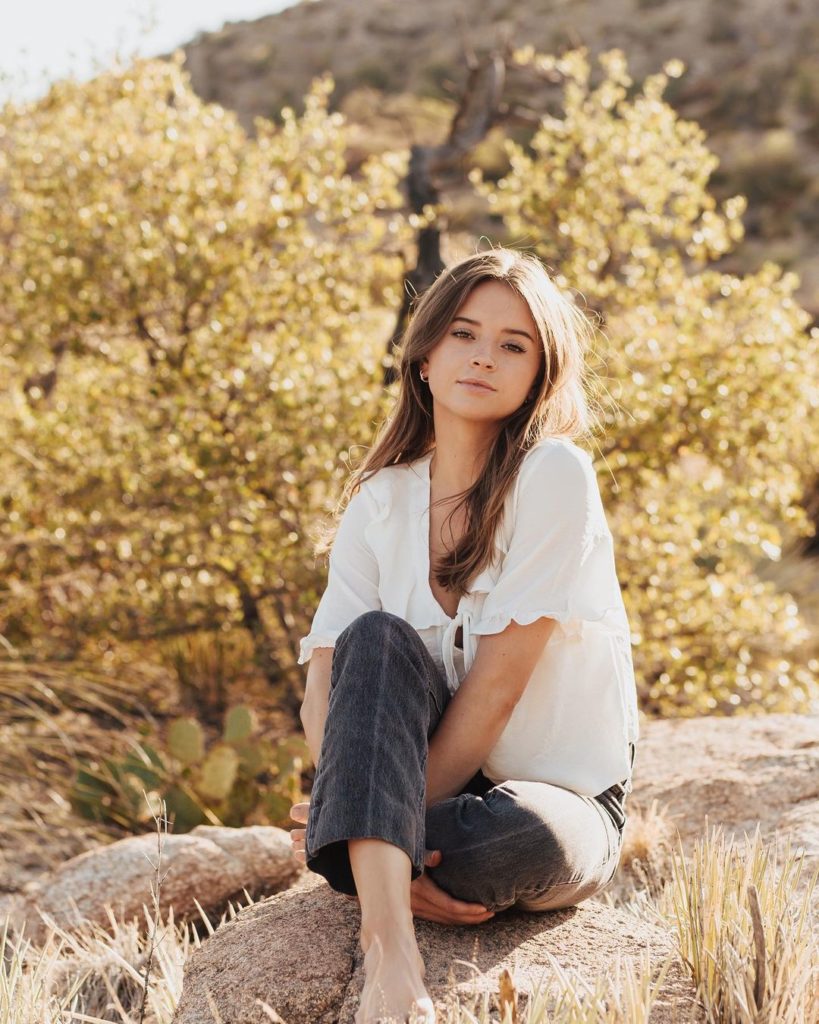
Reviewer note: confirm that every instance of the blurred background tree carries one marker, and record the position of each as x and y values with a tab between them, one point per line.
712	449
191	343
193	335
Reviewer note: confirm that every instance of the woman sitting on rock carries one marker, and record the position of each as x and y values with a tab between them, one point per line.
470	701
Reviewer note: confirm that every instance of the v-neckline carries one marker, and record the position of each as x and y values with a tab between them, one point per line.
426	530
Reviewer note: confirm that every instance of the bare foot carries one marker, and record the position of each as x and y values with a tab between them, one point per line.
393	985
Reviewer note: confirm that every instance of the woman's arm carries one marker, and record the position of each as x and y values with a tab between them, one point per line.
313	713
482	705
352	589
548	574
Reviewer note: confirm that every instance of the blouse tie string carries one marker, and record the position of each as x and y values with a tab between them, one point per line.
463	620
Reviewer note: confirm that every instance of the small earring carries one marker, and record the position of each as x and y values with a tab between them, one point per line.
421	375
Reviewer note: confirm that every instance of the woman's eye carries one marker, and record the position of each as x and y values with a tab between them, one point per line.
460	332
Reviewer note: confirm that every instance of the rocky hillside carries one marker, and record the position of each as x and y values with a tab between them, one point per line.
752	82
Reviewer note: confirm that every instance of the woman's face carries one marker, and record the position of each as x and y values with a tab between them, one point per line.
492	338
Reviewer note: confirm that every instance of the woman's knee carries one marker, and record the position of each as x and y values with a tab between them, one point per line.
381	649
373	622
375	632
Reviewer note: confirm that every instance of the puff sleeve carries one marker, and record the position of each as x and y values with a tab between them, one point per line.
352	581
560	562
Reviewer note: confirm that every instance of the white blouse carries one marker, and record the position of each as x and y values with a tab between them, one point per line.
553	557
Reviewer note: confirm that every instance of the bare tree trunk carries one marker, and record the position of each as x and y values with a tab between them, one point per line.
45	381
431	167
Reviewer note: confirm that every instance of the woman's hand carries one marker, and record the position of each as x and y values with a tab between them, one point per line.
427	900
298	812
432	903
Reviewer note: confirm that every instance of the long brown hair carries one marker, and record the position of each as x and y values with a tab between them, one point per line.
560	407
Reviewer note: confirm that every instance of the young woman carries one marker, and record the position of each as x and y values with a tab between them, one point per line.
470	701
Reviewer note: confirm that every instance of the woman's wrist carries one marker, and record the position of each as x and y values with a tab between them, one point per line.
313	718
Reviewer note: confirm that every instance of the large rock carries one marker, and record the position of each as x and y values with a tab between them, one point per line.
298	953
211	865
736	772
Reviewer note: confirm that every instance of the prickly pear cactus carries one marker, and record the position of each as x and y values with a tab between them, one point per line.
240	778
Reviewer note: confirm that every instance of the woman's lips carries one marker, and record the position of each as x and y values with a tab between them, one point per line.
476	387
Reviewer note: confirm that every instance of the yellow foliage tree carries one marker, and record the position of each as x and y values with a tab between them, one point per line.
190	344
716	377
189	333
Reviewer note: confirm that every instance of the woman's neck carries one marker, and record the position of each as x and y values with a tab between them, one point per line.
462	447
453	469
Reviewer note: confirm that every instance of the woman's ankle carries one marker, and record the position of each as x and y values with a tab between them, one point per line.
390	933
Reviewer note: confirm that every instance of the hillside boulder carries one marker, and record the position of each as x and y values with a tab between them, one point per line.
210	864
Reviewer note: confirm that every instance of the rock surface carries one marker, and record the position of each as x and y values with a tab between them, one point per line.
737	773
298	953
211	865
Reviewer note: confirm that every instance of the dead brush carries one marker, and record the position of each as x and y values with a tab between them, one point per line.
623	995
648	848
744	931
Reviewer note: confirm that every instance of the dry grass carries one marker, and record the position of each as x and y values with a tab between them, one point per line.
47	710
93	975
645	863
51	715
742	929
744	934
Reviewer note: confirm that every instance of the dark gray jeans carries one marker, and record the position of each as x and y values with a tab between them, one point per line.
529	844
